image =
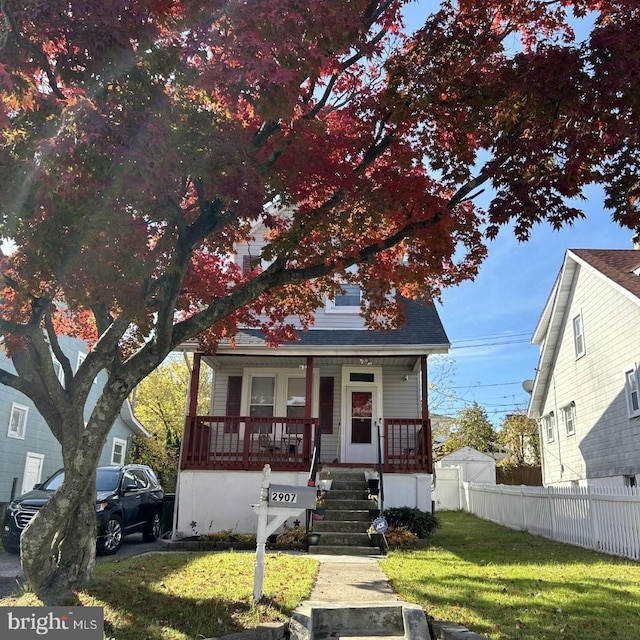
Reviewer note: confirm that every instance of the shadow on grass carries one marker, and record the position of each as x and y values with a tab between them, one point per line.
183	595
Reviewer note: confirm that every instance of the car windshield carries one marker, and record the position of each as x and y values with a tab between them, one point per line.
107	479
53	483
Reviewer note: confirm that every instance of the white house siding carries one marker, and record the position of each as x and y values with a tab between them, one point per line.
606	443
401	398
211	501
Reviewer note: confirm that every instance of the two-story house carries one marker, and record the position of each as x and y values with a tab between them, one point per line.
29	452
342	395
586	394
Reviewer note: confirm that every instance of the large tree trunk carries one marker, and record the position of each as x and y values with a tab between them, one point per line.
58	547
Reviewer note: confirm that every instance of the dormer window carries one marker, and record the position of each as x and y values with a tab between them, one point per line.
346	301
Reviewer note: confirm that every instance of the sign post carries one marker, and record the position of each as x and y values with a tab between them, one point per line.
280	502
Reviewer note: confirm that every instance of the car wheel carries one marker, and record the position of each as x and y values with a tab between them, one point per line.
112	537
154	531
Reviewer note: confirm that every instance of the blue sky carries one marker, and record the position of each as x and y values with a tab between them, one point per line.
490	321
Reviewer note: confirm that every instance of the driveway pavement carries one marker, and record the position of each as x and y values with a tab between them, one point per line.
11	571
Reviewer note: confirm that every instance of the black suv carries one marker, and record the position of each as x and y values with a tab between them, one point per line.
129	500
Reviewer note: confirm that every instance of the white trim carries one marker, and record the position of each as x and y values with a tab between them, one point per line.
19	432
631	388
123	444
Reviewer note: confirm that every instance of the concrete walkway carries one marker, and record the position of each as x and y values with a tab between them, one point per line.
351	579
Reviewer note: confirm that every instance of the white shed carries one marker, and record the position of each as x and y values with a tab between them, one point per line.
474	465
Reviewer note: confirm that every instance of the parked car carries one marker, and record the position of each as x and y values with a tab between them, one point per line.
129	500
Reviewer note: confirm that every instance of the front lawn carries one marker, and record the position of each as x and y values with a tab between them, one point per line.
180	596
509	585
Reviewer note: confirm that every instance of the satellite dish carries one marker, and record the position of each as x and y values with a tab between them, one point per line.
527	385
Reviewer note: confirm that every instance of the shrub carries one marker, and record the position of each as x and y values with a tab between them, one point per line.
422	523
399	536
293	537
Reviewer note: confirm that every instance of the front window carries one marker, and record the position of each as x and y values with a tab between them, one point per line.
632	392
568	413
18	421
578	336
262	403
118	451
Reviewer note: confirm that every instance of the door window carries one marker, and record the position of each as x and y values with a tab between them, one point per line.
361	417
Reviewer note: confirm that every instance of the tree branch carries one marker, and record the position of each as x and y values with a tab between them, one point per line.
38	53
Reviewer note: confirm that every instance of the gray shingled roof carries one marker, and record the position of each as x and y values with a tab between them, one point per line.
422	327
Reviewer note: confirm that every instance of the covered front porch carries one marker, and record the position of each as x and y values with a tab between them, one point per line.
339	411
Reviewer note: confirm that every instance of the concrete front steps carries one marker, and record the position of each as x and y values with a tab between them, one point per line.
393	620
348	513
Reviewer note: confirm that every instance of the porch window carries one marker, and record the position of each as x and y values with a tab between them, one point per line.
578	336
262	403
632	390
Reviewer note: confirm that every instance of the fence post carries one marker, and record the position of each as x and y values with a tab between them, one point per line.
552	512
524	509
593	519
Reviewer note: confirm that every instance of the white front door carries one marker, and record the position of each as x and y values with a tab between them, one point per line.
361	421
32	471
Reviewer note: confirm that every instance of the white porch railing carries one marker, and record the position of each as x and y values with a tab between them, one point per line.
605	519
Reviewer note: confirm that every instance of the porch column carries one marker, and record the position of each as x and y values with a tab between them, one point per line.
194	383
308	405
426	431
187	445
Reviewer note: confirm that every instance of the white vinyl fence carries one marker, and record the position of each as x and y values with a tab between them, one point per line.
605	519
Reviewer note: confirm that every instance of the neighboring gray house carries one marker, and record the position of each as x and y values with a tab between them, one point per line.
29	453
586	391
331	392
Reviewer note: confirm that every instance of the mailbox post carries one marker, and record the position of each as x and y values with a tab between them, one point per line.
279	502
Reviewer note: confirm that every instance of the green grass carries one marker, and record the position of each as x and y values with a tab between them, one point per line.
509	585
180	596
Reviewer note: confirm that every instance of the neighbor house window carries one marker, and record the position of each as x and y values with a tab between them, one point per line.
569	415
118	451
549	424
58	370
18	421
578	336
630	481
631	388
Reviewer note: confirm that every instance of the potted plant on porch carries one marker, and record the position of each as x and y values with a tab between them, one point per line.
373	481
325	480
